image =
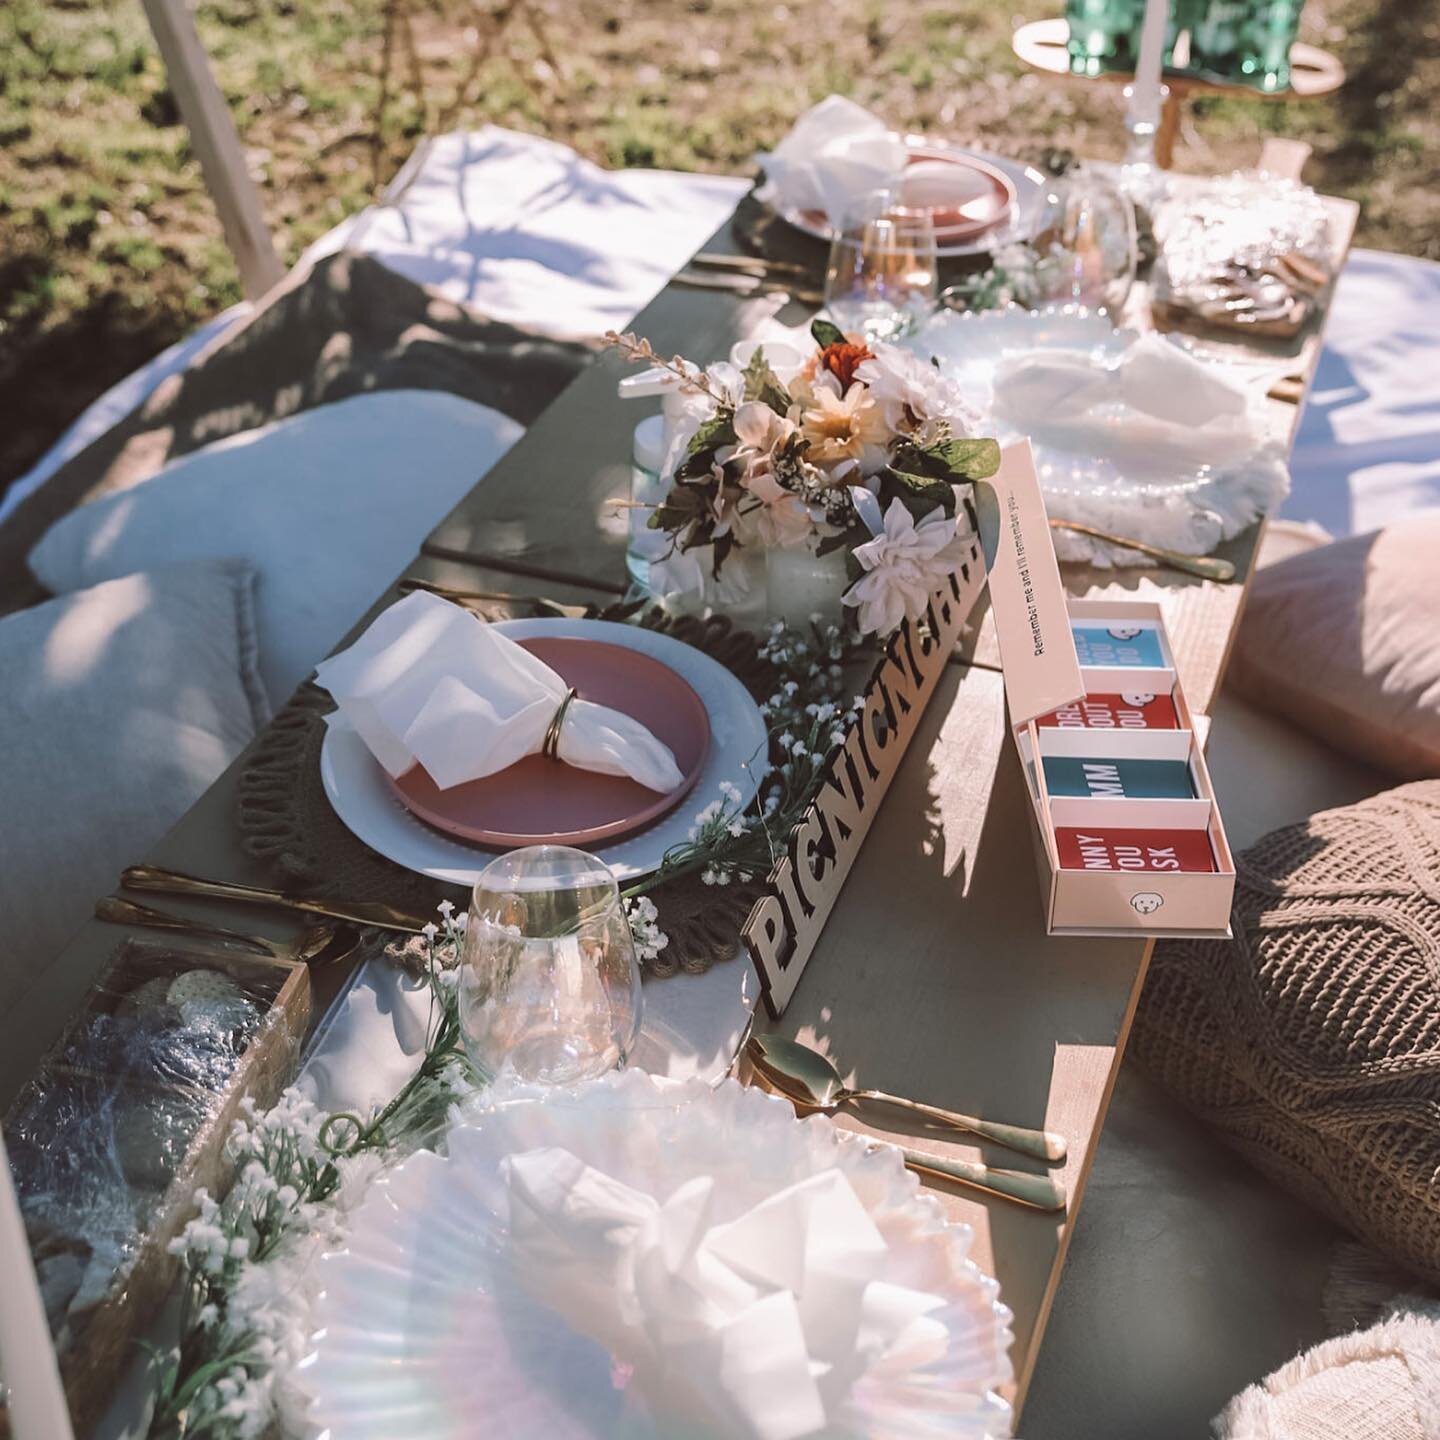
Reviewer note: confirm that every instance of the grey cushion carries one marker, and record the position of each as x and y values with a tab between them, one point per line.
120	704
328	506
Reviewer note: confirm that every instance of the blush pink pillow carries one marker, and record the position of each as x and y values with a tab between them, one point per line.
1344	641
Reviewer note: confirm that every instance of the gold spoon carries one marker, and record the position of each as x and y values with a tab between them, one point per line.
325	942
1207	567
811	1078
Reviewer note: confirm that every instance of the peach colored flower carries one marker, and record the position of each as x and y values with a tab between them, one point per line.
841	428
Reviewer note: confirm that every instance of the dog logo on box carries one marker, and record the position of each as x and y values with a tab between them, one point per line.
1147	902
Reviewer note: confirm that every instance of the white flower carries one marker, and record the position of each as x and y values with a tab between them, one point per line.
446	908
904	565
689	408
916	398
430	931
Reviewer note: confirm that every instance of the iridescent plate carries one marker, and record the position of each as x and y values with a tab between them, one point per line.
426	1331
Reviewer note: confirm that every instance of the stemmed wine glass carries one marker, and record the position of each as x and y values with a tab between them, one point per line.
882	280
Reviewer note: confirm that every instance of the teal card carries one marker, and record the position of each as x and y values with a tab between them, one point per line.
1118	779
1117	645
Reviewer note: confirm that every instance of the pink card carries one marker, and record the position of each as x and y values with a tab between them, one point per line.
1159	851
1131	711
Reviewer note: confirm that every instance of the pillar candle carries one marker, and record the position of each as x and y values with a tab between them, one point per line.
1145	95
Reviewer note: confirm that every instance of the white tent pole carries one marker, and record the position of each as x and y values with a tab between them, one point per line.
36	1402
212	133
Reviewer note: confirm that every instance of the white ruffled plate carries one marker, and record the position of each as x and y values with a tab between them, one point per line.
363	799
425	1331
1178	496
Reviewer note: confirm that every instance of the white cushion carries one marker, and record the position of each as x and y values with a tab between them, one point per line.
522	229
119	706
328	506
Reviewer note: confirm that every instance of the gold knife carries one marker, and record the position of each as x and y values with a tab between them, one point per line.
361	912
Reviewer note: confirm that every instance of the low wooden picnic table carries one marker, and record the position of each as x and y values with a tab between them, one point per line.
934	977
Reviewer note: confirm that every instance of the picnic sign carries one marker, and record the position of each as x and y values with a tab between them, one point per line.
1033	628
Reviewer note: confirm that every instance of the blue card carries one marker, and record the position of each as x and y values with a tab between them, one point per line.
1102	779
1117	645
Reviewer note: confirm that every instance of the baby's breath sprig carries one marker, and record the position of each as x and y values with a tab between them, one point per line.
299	1171
807	718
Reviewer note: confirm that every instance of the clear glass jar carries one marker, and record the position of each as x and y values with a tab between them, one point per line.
647	490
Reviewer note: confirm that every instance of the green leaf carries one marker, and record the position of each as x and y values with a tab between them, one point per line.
724	544
683	504
842	539
718	430
826	333
761	383
955	461
921	495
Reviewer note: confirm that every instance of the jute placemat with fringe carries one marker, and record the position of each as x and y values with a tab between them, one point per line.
287	822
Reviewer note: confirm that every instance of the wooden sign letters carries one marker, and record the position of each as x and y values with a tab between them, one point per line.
785	923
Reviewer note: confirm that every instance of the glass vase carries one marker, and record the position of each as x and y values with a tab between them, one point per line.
802	585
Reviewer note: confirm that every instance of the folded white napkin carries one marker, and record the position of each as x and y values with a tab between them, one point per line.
754	1327
428	682
1152	377
838	158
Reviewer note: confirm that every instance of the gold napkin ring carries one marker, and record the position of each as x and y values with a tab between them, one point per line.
551	743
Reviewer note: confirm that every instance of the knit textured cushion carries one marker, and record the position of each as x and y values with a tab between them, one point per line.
1342	641
1312	1040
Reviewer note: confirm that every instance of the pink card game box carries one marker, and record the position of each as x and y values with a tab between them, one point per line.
1128	835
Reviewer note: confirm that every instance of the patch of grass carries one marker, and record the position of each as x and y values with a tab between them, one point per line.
111	248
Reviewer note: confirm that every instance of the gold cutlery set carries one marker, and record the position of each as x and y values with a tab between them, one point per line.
751	275
803	1075
810	1081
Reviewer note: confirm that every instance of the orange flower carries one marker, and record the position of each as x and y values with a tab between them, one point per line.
841	360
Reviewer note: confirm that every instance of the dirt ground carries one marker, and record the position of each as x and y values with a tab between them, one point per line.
110	249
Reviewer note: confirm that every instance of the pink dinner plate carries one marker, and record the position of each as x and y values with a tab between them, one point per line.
540	801
964	195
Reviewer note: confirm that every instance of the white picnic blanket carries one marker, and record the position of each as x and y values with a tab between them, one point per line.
519	228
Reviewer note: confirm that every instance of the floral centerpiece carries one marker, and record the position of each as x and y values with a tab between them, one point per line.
866	450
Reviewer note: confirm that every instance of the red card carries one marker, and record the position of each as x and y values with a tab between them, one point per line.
1115	712
1171	851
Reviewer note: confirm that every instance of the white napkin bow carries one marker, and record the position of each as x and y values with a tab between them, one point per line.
1153	377
756	1327
428	682
836	157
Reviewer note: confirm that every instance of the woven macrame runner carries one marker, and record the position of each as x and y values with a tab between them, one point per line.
287	822
1312	1040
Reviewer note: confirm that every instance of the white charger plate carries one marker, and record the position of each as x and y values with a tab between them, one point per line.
424	1328
361	796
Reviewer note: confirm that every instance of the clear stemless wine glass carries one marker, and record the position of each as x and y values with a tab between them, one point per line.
1085	244
883	276
549	984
